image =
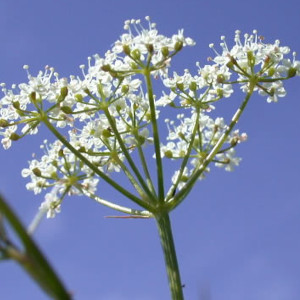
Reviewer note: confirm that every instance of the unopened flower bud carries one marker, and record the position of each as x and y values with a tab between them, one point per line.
165	51
54	163
82	149
220	93
181	135
141	139
193	86
66	109
3	123
67	165
87	91
136	54
14	136
232	62
230	65
184	178
150	48
54	176
16	104
133	65
135	106
220	78
61	153
291	72
37	172
78	97
33	96
178	46
180	86
64	92
169	154
271	72
106	68
251	59
106	133
126	49
125	89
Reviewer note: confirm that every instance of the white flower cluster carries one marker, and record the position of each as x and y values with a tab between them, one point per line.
109	112
266	61
60	170
197	139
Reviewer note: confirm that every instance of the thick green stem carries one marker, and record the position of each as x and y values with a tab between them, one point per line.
168	246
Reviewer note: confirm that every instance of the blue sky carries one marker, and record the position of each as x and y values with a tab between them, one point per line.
237	234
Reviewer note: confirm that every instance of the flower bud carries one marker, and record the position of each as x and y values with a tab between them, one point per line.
37	172
232	62
133	65
126	49
67	165
54	176
136	54
16	104
106	68
178	46
61	153
168	154
64	92
220	78
3	123
141	139
54	163
82	149
165	51
14	136
66	109
78	97
184	178
150	48
33	96
193	86
181	135
271	72
220	93
234	141
125	89
251	59
106	133
291	72
180	86
135	106
230	65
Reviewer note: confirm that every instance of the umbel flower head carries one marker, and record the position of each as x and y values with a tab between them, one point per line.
110	114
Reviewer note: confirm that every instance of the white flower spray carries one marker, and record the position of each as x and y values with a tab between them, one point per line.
106	118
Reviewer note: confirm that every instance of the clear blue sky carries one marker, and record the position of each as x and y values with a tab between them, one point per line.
237	235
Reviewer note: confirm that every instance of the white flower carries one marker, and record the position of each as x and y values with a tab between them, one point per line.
52	203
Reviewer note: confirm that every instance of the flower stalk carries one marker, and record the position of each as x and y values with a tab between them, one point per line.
170	257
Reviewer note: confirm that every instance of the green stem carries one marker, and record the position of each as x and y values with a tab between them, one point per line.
94	168
128	157
168	246
145	168
117	207
185	159
159	165
32	259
